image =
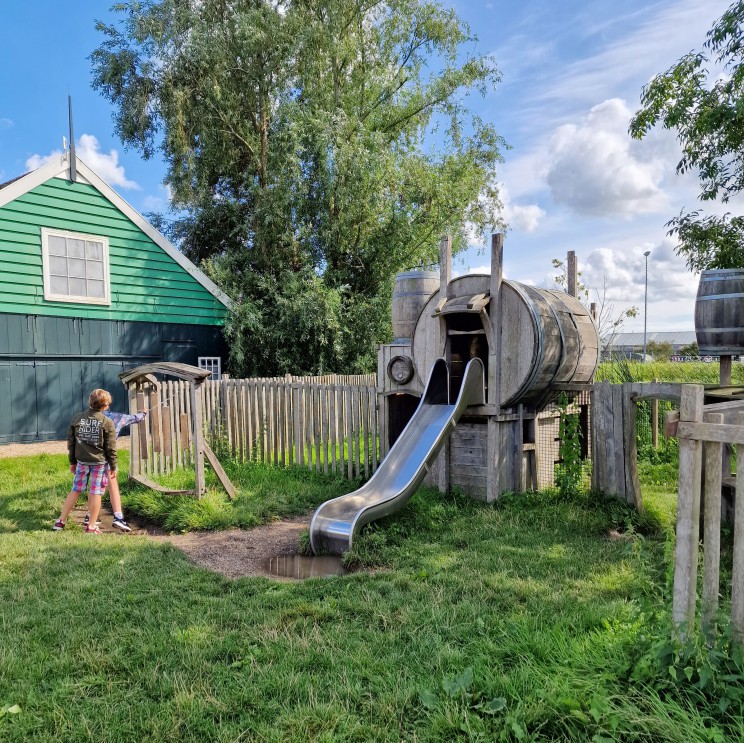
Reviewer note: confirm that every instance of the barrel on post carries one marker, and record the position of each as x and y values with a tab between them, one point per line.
412	291
719	312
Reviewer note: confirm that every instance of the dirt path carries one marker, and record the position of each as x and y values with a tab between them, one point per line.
235	553
46	447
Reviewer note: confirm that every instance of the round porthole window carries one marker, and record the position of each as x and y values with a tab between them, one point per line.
400	369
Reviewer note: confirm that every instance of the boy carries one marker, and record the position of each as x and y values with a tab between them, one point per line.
120	421
91	445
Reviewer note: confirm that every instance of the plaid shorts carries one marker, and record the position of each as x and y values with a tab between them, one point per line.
95	474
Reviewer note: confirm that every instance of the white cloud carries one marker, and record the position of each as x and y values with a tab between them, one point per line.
6	123
596	169
89	150
524	217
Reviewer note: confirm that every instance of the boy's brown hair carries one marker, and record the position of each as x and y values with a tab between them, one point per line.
99	399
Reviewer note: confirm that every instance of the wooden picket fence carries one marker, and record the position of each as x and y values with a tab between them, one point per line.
702	431
327	423
163	439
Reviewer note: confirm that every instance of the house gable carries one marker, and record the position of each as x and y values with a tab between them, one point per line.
149	279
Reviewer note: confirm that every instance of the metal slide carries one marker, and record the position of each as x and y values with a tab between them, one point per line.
336	521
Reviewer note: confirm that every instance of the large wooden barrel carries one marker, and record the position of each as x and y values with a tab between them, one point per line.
412	291
719	312
547	338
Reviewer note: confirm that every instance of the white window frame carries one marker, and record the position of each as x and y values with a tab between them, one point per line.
49	295
208	364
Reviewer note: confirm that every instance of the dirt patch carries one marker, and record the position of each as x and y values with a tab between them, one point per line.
239	553
236	553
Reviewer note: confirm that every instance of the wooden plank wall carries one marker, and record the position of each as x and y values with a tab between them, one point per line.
163	440
614	442
328	423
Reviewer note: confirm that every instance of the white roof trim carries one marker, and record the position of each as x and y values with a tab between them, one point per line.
59	168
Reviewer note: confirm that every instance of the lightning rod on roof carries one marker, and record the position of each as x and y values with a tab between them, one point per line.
73	162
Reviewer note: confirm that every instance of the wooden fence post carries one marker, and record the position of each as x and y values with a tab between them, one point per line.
737	575
688	515
712	452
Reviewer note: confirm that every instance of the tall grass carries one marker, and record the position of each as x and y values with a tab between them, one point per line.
693	372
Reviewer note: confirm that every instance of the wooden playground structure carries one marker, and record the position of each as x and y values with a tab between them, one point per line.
172	434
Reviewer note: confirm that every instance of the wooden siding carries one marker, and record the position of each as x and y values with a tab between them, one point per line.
146	283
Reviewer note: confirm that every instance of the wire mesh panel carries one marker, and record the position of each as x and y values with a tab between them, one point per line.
547	438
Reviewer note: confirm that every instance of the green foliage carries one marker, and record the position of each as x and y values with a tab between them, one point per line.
568	476
704	107
298	142
660	350
691	349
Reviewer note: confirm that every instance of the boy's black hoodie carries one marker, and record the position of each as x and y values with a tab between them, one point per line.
91	439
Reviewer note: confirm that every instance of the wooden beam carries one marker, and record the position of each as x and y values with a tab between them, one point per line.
142	480
219	471
725	433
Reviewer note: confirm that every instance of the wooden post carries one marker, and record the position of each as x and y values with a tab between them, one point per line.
724	379
688	515
493	470
655	421
133	433
445	265
155	420
737	574
494	311
630	448
712	452
196	414
572	277
142	426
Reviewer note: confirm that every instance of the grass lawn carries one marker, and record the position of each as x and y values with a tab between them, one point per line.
516	621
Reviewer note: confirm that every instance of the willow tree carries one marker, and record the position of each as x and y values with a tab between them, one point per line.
315	147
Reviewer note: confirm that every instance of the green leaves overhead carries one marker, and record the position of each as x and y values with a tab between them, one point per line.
704	104
326	139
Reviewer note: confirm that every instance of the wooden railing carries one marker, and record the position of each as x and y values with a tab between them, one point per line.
703	430
328	424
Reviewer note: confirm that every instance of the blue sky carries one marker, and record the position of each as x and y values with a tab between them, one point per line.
572	180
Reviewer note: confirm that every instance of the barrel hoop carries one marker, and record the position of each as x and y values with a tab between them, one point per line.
714	274
539	342
560	327
706	297
413	294
702	331
721	351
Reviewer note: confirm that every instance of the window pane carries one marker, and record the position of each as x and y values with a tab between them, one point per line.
58	284
77	288
57	245
95	269
75	248
57	266
96	289
93	251
76	268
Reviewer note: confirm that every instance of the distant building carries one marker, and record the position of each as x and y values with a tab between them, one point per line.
630	345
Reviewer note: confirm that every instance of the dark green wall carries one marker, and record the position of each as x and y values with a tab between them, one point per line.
49	365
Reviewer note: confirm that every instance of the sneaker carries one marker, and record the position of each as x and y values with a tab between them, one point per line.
58	525
121	524
92	530
86	520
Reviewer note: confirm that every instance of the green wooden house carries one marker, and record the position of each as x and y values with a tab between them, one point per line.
87	289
